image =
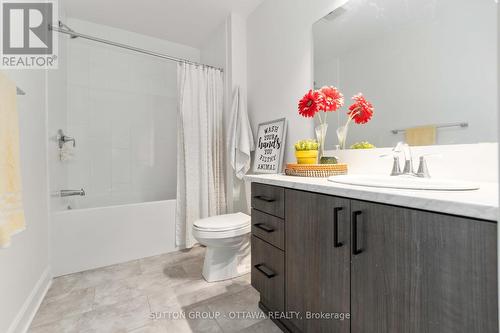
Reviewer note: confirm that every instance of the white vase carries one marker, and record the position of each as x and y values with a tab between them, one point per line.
321	137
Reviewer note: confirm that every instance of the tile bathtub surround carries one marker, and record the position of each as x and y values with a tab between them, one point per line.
122	298
121	109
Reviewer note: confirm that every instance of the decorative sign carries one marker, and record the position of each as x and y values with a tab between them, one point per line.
270	146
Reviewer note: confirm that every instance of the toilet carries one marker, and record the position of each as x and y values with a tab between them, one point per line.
227	238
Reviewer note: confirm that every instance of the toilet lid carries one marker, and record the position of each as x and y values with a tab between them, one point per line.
223	222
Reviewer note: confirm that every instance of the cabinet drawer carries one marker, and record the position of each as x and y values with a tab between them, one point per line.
269	228
269	199
268	268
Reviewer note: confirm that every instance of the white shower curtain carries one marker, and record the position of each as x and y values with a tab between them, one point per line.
200	177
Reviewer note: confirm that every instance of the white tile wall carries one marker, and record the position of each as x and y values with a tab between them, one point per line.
121	108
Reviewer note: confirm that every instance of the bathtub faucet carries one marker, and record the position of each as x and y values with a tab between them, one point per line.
69	193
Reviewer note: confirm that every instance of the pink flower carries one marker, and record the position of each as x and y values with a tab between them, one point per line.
334	99
361	111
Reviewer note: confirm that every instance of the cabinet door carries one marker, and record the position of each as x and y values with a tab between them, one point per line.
317	257
415	271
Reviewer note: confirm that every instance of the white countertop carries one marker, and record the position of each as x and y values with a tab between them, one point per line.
480	204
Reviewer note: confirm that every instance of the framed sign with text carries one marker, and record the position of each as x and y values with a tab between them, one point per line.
270	146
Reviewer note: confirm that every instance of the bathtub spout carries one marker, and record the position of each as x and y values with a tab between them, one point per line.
69	193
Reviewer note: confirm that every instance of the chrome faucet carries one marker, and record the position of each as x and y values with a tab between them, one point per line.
403	147
408	170
63	138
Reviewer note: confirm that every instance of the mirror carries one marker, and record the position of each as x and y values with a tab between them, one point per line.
419	62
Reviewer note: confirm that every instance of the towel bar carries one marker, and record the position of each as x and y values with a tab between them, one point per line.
463	125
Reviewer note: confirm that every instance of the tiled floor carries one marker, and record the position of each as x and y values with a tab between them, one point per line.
123	298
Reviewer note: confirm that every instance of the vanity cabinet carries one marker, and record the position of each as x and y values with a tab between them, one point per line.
267	242
416	271
317	259
393	269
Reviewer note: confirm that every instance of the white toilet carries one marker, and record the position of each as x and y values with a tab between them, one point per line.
227	238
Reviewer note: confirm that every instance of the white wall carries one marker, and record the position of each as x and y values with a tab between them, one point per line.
279	54
427	69
213	51
122	109
24	266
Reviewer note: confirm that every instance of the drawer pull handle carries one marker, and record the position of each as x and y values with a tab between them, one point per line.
355	249
264	227
264	198
336	242
269	273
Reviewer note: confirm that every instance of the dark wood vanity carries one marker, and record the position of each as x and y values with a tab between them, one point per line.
370	268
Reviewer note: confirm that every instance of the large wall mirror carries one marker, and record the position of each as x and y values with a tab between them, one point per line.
420	62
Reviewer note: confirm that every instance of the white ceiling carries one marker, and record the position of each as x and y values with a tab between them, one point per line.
187	22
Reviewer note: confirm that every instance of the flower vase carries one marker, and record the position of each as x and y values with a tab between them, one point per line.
342	135
320	137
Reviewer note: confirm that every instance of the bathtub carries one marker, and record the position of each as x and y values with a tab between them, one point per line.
83	239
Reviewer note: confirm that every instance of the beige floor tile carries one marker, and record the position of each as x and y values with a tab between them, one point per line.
197	320
128	315
188	293
240	310
150	284
119	291
264	326
66	325
112	273
121	298
63	306
64	284
158	263
152	327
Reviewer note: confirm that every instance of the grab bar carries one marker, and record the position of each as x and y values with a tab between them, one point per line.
69	193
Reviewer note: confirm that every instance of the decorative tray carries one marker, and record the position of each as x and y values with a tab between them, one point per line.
316	170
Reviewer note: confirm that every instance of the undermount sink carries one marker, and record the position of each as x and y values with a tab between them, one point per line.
404	182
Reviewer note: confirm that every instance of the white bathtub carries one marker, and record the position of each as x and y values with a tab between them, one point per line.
89	238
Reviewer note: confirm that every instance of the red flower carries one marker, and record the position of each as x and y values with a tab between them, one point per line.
334	99
311	103
361	111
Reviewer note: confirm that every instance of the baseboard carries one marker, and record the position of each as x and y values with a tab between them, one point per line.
22	321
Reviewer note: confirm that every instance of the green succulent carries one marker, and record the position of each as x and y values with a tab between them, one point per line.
307	144
328	160
362	145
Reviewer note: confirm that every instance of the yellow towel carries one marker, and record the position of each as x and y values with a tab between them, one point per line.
421	136
11	209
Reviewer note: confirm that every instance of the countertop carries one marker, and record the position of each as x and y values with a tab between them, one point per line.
479	204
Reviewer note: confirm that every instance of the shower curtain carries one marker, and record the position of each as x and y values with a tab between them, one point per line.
200	173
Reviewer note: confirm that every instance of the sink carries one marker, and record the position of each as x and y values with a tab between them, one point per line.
404	182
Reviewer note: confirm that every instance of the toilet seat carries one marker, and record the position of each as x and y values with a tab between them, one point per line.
214	234
223	222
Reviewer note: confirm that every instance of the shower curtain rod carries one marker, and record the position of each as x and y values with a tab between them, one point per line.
63	28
